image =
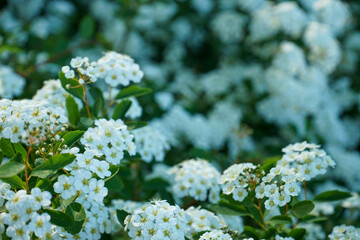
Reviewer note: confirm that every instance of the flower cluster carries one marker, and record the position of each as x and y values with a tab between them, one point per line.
236	179
109	138
53	93
88	71
305	159
345	232
118	69
158	220
30	121
11	84
202	220
151	144
196	178
216	235
22	213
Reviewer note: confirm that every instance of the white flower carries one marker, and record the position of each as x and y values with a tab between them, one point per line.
65	186
40	224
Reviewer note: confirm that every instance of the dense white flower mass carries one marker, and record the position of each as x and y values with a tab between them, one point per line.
345	232
196	178
21	213
118	69
53	92
236	179
151	144
216	235
158	220
110	138
307	161
30	121
11	84
228	26
202	220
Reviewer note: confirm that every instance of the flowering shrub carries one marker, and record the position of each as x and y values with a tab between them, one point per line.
167	119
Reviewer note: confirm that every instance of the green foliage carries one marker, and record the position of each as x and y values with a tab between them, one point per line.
121	109
70	138
135	124
133	91
77	212
121	215
330	196
280	220
11	169
52	165
6	147
75	89
72	111
59	218
302	208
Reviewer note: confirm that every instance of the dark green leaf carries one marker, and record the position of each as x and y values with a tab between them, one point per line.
52	165
75	88
14	181
17	158
312	218
20	149
298	233
72	110
302	208
86	27
155	183
10	169
87	122
268	234
6	147
59	218
251	232
70	138
121	215
121	109
77	212
330	196
134	124
114	170
133	91
115	184
43	183
280	220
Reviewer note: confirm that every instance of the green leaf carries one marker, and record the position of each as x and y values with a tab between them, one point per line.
280	220
268	234
87	27
298	233
155	183
121	109
75	88
17	158
87	122
7	147
302	208
14	181
114	184
11	169
70	138
72	110
20	149
43	183
98	99
131	125
59	218
330	196
52	165
114	170
225	210
251	232
312	218
77	212
121	215
269	163
133	91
